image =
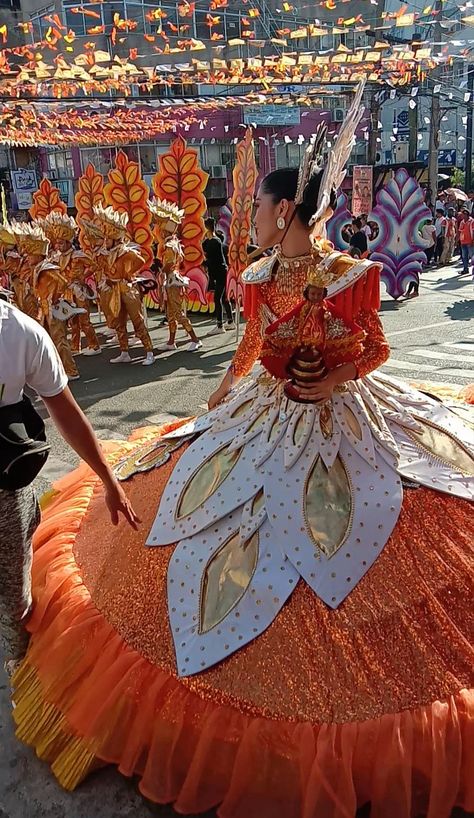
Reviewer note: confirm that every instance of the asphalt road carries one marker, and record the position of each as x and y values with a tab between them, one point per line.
432	338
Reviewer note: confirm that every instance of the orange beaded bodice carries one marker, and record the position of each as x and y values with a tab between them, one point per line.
280	293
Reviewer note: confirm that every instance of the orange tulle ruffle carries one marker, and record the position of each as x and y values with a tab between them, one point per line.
84	697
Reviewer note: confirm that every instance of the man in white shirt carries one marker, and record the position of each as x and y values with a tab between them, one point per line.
29	357
366	228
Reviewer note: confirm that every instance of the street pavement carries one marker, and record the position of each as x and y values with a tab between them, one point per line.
432	338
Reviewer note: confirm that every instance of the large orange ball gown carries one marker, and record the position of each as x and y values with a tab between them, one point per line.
314	698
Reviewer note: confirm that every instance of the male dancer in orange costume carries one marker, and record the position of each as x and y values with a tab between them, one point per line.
44	288
118	264
168	217
61	229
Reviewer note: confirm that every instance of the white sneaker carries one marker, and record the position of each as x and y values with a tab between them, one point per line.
123	358
133	341
194	345
108	332
73	377
150	359
90	351
230	325
217	331
166	347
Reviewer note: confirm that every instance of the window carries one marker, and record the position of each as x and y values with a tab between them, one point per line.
60	163
289	155
148	159
102	158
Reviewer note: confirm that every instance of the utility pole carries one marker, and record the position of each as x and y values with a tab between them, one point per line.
375	106
435	113
468	159
413	136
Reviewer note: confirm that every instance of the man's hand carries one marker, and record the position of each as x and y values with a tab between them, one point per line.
118	503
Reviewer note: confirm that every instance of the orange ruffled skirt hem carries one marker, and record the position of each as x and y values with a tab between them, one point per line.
84	698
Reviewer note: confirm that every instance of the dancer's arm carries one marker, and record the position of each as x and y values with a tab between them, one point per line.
376	349
247	353
77	431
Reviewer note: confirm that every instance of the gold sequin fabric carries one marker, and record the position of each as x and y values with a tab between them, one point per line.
401	639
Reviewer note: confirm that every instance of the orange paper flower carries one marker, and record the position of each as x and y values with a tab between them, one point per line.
128	193
244	176
46	200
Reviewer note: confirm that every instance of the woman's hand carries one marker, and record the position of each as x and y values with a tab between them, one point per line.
118	503
318	392
228	382
217	397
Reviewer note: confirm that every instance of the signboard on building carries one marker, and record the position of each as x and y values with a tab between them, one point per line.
362	180
447	157
271	115
24	184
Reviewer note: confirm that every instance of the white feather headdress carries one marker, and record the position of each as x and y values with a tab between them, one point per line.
337	160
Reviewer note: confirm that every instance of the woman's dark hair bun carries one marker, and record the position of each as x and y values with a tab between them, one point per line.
282	184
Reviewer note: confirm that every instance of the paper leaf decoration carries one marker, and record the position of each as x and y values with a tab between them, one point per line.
128	193
90	192
46	200
245	177
181	180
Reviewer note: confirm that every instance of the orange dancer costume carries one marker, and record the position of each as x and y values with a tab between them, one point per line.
32	246
10	259
168	217
45	289
288	632
118	264
61	229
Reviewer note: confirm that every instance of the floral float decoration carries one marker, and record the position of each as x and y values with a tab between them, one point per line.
90	192
46	199
181	180
244	177
399	214
127	192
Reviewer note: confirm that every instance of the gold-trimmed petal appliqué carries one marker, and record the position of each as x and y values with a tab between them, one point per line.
205	481
443	445
328	505
226	578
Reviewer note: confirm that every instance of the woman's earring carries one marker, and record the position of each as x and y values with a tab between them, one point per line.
281	224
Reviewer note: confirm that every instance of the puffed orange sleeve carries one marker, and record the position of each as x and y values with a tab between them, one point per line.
249	348
375	350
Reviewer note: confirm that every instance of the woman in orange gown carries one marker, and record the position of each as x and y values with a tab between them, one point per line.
289	632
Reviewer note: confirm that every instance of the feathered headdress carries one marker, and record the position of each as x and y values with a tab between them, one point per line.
112	223
58	226
312	161
337	160
31	239
167	211
7	235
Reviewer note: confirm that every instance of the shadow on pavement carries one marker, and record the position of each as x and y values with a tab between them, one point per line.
461	310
